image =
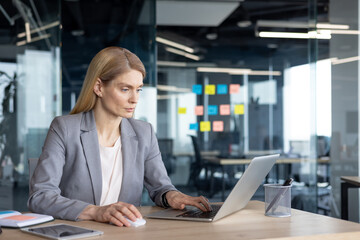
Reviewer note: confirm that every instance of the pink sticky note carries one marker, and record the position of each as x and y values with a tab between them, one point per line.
199	110
234	88
218	126
225	109
20	217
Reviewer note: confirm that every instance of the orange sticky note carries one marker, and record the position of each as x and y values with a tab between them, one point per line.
218	126
210	89
234	88
205	126
239	109
182	110
225	109
199	110
20	217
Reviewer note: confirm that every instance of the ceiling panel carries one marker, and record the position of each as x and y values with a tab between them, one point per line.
197	13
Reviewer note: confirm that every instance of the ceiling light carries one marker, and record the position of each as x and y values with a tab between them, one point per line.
171	64
291	24
308	35
20	43
224	70
50	25
77	33
346	32
27	31
211	36
170	88
272	45
345	60
175	44
238	71
184	64
244	24
263	73
332	26
182	53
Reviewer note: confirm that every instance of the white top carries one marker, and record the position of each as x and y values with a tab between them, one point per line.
112	172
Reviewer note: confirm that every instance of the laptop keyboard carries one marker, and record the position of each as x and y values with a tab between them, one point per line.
200	214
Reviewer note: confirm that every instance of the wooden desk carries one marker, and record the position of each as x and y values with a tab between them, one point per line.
243	161
348	182
249	223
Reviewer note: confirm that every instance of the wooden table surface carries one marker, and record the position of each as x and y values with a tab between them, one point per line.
249	223
351	179
243	161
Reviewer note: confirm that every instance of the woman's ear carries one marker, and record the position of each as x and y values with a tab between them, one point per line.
98	87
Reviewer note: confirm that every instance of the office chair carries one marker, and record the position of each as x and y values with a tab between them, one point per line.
205	185
166	149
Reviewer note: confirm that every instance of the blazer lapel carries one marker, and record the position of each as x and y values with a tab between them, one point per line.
129	146
90	143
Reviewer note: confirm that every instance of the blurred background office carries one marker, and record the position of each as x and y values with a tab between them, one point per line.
225	79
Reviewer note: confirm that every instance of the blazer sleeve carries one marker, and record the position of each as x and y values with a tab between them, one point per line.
156	181
45	194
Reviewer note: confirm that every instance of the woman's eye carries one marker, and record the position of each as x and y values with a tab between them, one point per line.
124	89
139	90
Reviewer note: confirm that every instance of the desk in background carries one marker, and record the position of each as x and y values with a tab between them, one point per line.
241	161
347	182
249	223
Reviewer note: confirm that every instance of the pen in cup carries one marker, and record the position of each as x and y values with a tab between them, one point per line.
274	203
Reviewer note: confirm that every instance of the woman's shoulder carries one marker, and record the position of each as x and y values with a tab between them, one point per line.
140	127
70	119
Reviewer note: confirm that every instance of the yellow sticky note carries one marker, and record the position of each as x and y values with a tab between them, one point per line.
205	126
210	89
239	109
181	110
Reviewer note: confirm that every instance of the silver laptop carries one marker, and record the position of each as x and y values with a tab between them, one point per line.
238	198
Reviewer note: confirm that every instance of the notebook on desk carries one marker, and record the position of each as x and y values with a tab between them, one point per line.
238	198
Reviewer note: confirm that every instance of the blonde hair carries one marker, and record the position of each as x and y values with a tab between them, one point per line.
106	65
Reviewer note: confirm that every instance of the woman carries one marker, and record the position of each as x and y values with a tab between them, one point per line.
96	160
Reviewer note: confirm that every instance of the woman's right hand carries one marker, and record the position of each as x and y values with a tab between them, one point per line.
114	213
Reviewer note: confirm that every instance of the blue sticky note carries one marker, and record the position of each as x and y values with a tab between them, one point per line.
222	89
6	212
212	110
194	126
197	89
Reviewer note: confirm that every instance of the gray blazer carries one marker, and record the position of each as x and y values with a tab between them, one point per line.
68	175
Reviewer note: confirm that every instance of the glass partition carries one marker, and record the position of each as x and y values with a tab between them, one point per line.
245	101
30	90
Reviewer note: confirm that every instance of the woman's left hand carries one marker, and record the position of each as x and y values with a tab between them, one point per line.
178	200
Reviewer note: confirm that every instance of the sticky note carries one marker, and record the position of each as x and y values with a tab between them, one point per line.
20	217
234	88
239	109
182	110
212	110
197	89
210	89
199	110
205	126
194	126
225	109
222	89
218	126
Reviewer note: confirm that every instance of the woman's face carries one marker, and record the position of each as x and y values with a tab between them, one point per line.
120	96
